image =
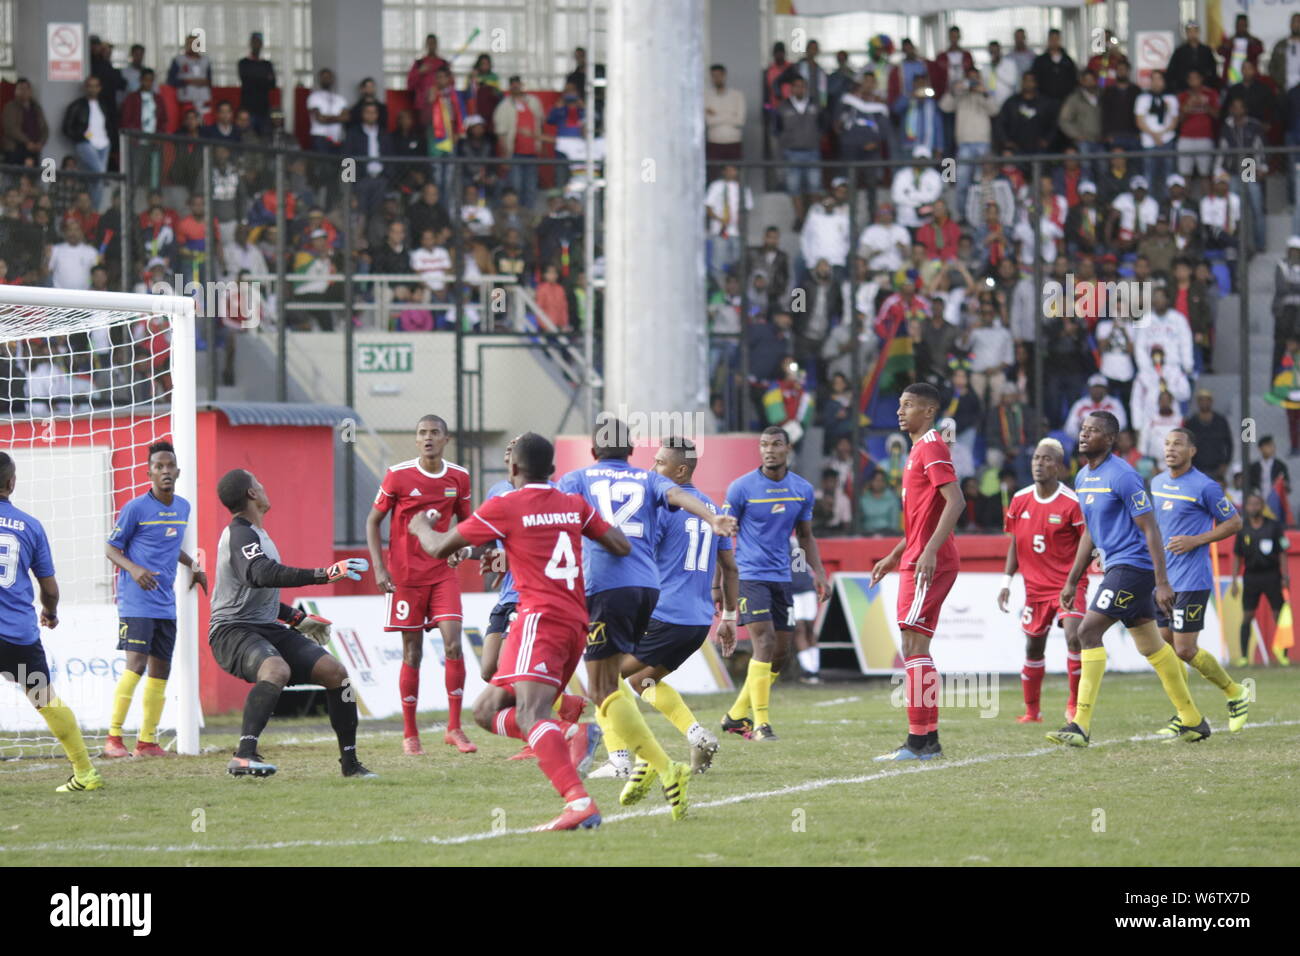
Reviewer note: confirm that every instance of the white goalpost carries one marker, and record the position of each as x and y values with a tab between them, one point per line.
88	380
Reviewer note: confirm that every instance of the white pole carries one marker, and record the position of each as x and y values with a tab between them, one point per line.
184	427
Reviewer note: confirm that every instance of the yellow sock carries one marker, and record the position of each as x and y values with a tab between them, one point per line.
155	696
1093	660
122	701
760	692
776	675
63	724
1173	677
740	709
1213	671
625	718
668	702
613	740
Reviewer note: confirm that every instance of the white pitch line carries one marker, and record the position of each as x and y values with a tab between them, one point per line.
805	787
837	701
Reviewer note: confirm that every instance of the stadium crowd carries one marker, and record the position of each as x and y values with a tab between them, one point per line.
938	283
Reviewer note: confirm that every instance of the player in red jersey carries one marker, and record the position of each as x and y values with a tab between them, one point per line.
423	592
1045	524
927	560
542	528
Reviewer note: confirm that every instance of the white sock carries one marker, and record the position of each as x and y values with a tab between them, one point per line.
810	659
621	759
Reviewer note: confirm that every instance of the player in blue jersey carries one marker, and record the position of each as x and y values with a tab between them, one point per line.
1119	523
1188	504
769	502
145	546
24	554
694	565
622	592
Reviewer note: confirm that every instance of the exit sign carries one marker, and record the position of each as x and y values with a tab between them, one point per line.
385	358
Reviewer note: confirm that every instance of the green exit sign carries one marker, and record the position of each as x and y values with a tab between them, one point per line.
385	358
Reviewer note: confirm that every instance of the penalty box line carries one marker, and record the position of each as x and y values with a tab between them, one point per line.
805	787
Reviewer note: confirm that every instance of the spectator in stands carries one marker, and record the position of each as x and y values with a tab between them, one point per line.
228	194
421	77
483	90
1156	115
131	72
1257	93
1212	435
800	123
921	122
551	298
111	83
367	93
428	212
243	255
222	126
568	116
476	145
509	214
940	234
1198	111
1069	358
770	260
192	243
1009	427
879	508
1085	224
884	243
1027	122
1286	298
938	341
319	261
328	111
817	305
1189	296
769	342
990	187
843	79
825	235
1238	50
1053	70
366	141
279	137
722	205
256	84
1156	375
836	413
1191	56
190	74
1221	215
1244	136
1152	431
145	110
787	403
1167	328
832	512
1270	469
724	120
1098	399
1119	128
518	121
838	349
23	130
86	126
903	79
1080	118
915	190
1000	75
1158	249
974	107
475	212
863	127
992	351
1132	213
68	263
446	126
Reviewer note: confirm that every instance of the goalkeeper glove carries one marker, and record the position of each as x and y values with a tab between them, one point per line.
347	568
315	627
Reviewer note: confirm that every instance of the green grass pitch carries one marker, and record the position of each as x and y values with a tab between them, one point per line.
1002	795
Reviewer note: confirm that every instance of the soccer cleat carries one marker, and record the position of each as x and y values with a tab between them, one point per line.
252	766
1029	719
583	745
572	708
411	747
525	754
610	771
1237	708
902	753
742	726
931	750
114	748
584	816
703	748
145	748
456	738
676	783
1280	654
1194	735
91	780
352	767
1242	662
762	732
642	779
1172	729
1071	735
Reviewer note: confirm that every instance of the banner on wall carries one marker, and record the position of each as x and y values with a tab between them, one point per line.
973	634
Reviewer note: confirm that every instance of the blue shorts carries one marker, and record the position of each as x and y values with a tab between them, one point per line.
24	664
1189	612
800	180
669	645
767	601
618	617
1126	594
154	636
500	617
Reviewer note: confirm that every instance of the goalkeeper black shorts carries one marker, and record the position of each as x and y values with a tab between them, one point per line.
240	650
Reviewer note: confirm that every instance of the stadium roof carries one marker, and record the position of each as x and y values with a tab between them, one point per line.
825	8
282	413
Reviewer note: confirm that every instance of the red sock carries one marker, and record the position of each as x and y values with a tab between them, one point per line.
571	706
547	740
933	684
455	676
1031	682
504	725
408	685
1074	666
918	710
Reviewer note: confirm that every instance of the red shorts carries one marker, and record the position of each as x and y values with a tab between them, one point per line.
541	647
918	610
417	607
1038	616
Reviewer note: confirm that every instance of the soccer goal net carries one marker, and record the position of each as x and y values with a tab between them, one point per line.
88	380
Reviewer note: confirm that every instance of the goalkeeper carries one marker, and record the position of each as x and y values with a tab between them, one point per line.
269	644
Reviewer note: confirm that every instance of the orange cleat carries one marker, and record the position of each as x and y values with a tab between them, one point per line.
114	748
456	738
525	754
145	749
572	707
411	747
587	818
1029	719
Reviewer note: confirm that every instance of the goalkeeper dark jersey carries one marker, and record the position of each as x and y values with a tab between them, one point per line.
249	576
